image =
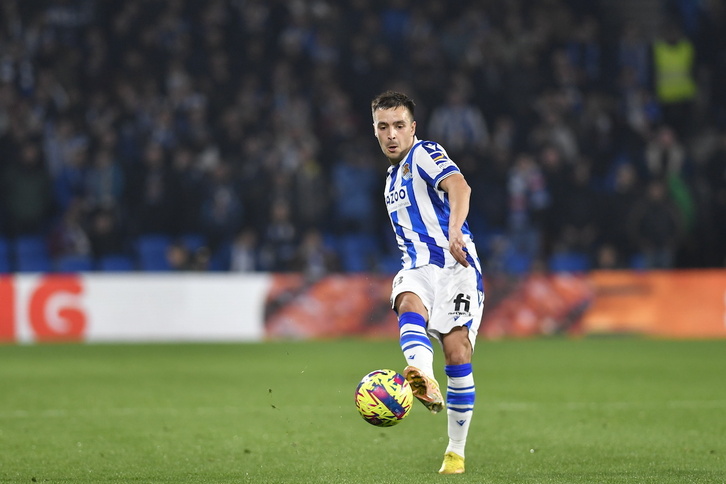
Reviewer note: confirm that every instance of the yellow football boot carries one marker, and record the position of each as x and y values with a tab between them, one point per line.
453	464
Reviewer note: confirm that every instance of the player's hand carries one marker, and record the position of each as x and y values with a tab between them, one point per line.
457	246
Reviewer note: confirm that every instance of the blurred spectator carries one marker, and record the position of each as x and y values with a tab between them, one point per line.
245	253
608	257
338	122
557	180
656	227
567	83
505	135
104	181
674	60
599	133
279	242
633	55
311	188
666	160
615	206
355	181
492	201
222	210
577	214
637	105
711	45
69	236
553	129
396	21
151	193
528	200
664	155
187	181
716	176
106	234
313	258
458	124
26	192
61	140
70	181
181	257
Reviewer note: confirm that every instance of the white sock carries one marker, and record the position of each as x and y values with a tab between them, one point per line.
460	397
415	342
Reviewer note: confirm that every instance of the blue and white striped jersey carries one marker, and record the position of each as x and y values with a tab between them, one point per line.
419	209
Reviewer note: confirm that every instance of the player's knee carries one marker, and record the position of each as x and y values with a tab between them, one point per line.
458	355
410	302
457	347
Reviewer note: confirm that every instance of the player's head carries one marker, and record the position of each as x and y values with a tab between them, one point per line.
393	124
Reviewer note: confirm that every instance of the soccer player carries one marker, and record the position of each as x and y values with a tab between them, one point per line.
439	291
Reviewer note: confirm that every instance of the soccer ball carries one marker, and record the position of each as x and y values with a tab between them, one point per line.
383	398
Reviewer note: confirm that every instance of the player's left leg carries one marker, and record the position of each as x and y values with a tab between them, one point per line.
460	396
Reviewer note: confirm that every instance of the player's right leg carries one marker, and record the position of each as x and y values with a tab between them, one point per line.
418	351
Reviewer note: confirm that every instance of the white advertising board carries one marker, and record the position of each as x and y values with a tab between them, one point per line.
134	307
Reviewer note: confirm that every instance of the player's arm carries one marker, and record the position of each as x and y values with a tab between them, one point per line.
459	193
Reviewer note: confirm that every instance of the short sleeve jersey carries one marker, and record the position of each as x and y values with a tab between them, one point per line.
419	208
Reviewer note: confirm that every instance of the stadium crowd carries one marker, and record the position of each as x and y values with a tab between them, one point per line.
237	133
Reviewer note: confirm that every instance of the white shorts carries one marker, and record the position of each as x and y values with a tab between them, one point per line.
453	296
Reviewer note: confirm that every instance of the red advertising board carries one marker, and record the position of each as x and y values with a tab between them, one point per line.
684	304
52	310
679	304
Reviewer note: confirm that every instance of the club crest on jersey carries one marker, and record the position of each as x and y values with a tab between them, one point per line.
406	171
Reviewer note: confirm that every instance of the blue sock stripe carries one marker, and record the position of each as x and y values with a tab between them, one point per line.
461	409
408	347
410	343
418	338
461	391
457	371
466	399
421	334
411	318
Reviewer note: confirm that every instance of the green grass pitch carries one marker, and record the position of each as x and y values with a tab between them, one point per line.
593	410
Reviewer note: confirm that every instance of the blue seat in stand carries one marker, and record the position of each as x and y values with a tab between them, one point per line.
151	252
73	263
116	263
31	254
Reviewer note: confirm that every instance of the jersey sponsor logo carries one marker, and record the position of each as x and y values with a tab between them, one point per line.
397	199
445	164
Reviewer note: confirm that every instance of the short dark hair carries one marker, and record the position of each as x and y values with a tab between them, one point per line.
392	100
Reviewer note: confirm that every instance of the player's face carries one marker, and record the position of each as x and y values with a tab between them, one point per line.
395	130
